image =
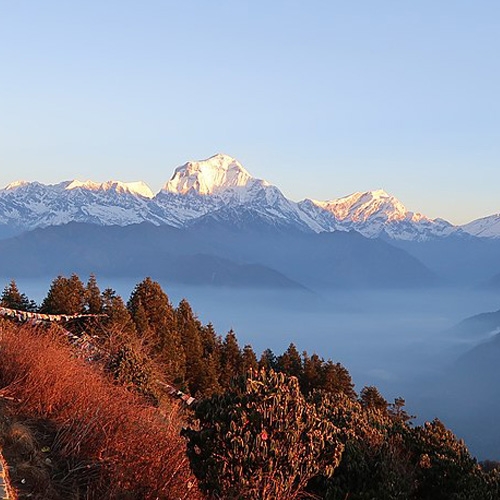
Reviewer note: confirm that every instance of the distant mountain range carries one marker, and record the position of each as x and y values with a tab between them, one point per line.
213	223
465	393
218	188
478	327
209	253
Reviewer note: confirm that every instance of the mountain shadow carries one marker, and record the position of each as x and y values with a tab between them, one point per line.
214	254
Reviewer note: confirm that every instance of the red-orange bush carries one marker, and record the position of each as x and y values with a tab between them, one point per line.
131	450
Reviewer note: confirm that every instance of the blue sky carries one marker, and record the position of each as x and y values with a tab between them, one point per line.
322	98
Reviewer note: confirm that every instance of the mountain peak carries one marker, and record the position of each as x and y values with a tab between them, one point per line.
361	206
138	188
210	176
15	185
379	193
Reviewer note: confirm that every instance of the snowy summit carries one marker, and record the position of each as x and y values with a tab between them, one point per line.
138	188
210	176
360	207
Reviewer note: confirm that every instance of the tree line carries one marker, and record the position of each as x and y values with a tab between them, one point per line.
149	333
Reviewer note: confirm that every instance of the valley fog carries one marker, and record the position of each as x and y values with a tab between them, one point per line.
383	337
400	340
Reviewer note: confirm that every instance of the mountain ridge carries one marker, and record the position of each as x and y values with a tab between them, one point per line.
212	187
214	255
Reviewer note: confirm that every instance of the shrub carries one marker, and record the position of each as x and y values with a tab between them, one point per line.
116	445
261	440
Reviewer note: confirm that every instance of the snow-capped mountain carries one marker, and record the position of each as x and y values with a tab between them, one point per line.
218	188
28	205
217	174
220	185
486	227
134	188
374	213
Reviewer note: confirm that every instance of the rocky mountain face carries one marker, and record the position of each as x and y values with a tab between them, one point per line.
217	189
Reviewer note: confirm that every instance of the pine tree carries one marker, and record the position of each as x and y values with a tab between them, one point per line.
131	367
212	346
312	373
268	360
189	329
370	397
336	378
230	360
93	299
155	320
65	296
117	318
249	360
12	298
290	362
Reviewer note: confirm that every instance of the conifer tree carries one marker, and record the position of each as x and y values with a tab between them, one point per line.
189	329
14	299
249	360
312	373
211	355
290	362
142	325
65	296
230	359
117	317
336	378
93	299
132	368
370	398
155	321
268	360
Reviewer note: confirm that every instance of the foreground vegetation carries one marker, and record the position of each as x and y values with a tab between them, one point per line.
92	419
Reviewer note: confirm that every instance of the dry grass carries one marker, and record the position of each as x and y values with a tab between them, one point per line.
114	445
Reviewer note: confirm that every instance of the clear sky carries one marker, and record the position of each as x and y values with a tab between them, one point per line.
321	98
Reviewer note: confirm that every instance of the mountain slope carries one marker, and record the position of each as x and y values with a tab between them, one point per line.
467	397
212	253
478	326
458	259
339	259
486	227
133	251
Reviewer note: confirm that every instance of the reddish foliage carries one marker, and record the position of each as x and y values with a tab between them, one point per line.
127	449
